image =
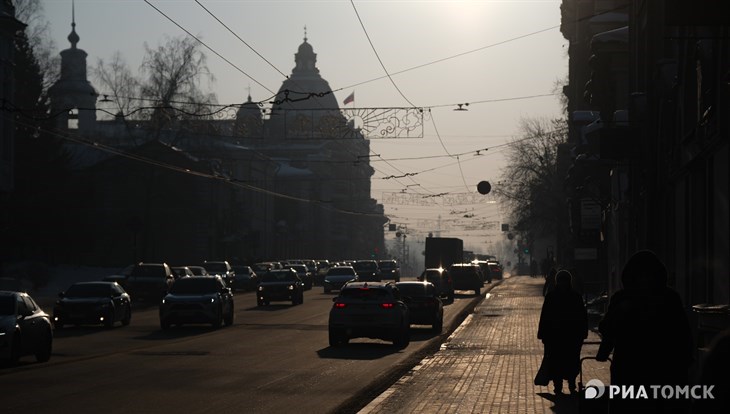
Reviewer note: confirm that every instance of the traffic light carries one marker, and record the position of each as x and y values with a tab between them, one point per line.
526	250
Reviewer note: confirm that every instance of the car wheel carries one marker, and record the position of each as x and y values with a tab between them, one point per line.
15	350
127	316
109	321
218	321
403	338
44	354
438	324
260	302
337	337
165	325
229	318
477	291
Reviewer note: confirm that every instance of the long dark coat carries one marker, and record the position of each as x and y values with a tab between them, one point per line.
563	327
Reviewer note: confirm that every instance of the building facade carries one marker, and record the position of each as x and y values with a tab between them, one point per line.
647	158
271	184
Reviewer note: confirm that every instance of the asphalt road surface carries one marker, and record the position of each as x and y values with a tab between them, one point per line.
273	359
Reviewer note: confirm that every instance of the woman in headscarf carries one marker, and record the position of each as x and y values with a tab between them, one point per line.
647	329
563	327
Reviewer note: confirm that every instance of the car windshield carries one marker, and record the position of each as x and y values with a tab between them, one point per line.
7	305
341	271
197	271
298	268
242	270
365	294
261	267
280	277
149	271
216	267
458	271
366	266
386	265
415	289
195	286
88	291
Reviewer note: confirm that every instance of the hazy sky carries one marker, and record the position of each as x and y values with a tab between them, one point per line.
516	51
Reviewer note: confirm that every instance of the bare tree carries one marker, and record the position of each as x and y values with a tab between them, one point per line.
530	185
173	72
30	12
116	79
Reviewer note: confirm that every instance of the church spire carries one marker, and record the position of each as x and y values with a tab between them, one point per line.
73	37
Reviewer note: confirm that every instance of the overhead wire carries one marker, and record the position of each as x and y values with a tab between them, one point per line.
239	38
208	47
377	55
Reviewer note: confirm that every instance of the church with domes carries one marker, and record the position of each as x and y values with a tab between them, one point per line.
291	181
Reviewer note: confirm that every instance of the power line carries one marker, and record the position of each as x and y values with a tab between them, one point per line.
208	47
242	41
377	55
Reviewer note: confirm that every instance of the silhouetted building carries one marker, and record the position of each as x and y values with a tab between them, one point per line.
648	163
262	185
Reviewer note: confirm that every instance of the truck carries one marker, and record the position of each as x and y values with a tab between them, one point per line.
443	252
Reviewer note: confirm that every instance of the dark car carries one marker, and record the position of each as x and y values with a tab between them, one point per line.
198	270
369	310
337	276
245	278
202	299
496	270
304	274
424	304
181	271
25	328
221	268
389	269
466	276
149	281
367	271
280	285
92	303
441	280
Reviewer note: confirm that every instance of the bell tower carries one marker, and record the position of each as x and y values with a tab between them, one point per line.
73	99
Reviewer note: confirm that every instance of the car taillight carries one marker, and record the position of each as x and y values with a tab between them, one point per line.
339	305
387	305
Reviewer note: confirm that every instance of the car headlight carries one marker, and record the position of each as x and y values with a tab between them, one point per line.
291	287
212	300
261	288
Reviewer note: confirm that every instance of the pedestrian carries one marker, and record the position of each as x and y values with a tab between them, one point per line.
648	331
549	281
533	267
563	327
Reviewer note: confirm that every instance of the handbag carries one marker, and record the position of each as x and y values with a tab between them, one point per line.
543	375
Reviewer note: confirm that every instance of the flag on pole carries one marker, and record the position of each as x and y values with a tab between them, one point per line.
350	98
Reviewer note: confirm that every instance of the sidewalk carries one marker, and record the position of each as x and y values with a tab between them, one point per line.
488	364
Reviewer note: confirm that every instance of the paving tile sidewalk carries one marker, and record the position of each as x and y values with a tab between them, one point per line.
488	364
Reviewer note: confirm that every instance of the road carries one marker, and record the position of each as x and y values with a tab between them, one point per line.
272	359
